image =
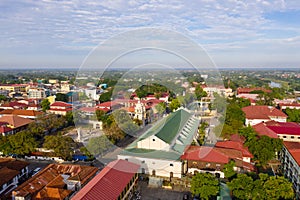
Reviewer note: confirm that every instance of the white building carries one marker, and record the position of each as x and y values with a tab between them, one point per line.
159	149
36	93
257	114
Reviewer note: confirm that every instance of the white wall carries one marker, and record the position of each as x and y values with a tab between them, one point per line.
161	167
153	142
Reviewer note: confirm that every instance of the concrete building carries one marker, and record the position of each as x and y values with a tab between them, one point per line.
290	160
36	93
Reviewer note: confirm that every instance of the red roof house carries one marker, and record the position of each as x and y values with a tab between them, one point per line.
288	131
257	114
60	108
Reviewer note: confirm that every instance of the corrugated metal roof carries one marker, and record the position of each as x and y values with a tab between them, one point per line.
109	183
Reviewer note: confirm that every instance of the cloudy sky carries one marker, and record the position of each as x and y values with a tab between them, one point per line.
235	33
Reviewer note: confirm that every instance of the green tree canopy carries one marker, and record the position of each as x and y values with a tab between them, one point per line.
98	145
199	92
61	97
63	146
45	104
205	185
263	188
228	170
174	105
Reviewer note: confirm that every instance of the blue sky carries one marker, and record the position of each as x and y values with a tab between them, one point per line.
235	33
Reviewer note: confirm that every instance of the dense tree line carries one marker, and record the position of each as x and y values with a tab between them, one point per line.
263	187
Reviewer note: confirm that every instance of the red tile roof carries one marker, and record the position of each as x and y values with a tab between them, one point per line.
21	112
15	120
110	182
285	130
107	104
235	145
262	129
262	112
294	149
237	138
204	154
61	104
36	186
248	90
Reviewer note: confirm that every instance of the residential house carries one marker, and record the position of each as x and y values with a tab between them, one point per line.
159	149
56	181
213	159
13	105
284	106
287	131
117	181
60	108
12	124
290	160
258	114
11	171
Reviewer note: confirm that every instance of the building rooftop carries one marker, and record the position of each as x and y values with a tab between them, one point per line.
54	176
294	149
15	120
9	168
262	112
110	182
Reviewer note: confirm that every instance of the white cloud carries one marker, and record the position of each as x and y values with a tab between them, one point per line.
79	24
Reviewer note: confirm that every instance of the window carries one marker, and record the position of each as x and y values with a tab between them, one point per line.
143	161
171	164
208	164
153	140
292	137
126	159
284	136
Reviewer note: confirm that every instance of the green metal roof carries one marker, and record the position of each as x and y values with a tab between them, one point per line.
172	126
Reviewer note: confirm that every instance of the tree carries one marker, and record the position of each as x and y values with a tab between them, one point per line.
98	145
264	148
45	104
61	97
219	103
161	108
199	92
293	115
69	118
205	185
61	145
106	96
241	187
262	188
228	170
174	105
2	98
101	115
86	152
141	93
21	143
